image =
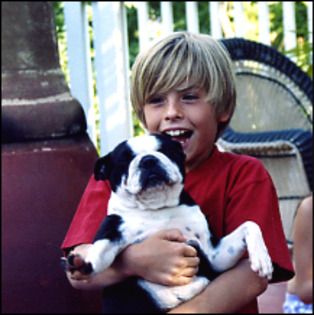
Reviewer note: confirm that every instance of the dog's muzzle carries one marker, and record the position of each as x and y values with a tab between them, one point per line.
149	171
152	172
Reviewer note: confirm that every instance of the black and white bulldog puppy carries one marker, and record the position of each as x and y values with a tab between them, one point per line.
147	177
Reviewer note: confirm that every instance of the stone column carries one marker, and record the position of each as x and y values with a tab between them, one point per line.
47	160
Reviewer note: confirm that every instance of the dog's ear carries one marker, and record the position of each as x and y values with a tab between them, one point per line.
102	167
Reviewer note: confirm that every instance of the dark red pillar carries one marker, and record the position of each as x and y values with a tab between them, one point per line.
47	160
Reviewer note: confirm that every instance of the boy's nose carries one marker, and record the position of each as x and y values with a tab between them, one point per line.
173	111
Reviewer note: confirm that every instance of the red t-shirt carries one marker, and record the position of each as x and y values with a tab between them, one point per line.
230	189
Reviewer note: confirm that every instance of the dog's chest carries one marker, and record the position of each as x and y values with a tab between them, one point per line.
138	225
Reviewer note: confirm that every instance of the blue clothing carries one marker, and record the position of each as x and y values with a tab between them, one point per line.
293	305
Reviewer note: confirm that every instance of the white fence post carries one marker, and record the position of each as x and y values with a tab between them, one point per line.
239	19
143	27
191	16
112	69
263	22
215	27
289	25
79	61
166	17
310	19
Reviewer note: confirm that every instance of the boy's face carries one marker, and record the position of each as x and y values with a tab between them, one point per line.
186	117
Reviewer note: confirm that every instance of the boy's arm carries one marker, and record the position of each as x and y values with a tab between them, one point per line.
228	293
303	251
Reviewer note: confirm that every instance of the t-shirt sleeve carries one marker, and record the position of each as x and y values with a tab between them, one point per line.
90	213
255	199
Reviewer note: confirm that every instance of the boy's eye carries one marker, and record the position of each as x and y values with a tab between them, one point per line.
190	97
155	100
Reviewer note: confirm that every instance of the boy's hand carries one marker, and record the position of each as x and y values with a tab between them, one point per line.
162	258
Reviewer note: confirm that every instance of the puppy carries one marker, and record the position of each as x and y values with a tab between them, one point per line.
146	175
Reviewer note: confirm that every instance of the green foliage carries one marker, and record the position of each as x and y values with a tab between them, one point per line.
138	128
251	14
132	29
276	25
302	54
179	22
60	28
203	17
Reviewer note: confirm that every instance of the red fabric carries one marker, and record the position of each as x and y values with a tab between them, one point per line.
89	215
230	190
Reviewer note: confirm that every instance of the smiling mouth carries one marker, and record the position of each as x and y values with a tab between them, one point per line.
180	135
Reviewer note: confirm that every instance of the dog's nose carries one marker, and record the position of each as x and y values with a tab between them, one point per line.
148	162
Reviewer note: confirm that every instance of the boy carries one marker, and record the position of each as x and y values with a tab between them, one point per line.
183	86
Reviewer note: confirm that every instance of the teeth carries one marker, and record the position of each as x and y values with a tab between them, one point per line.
184	141
175	133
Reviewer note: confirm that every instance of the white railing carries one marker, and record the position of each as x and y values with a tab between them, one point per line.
112	56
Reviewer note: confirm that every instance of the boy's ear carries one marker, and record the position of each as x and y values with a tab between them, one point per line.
102	168
225	117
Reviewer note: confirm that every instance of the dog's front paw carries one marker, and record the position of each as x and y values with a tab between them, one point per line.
75	262
258	253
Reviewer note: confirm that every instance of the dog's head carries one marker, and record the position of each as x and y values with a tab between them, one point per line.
145	172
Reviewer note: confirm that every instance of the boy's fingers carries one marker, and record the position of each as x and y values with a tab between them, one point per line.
190	251
175	235
190	272
172	235
192	261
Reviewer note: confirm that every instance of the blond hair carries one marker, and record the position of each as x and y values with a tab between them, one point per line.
182	60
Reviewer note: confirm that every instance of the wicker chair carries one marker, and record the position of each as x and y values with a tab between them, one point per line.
273	121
